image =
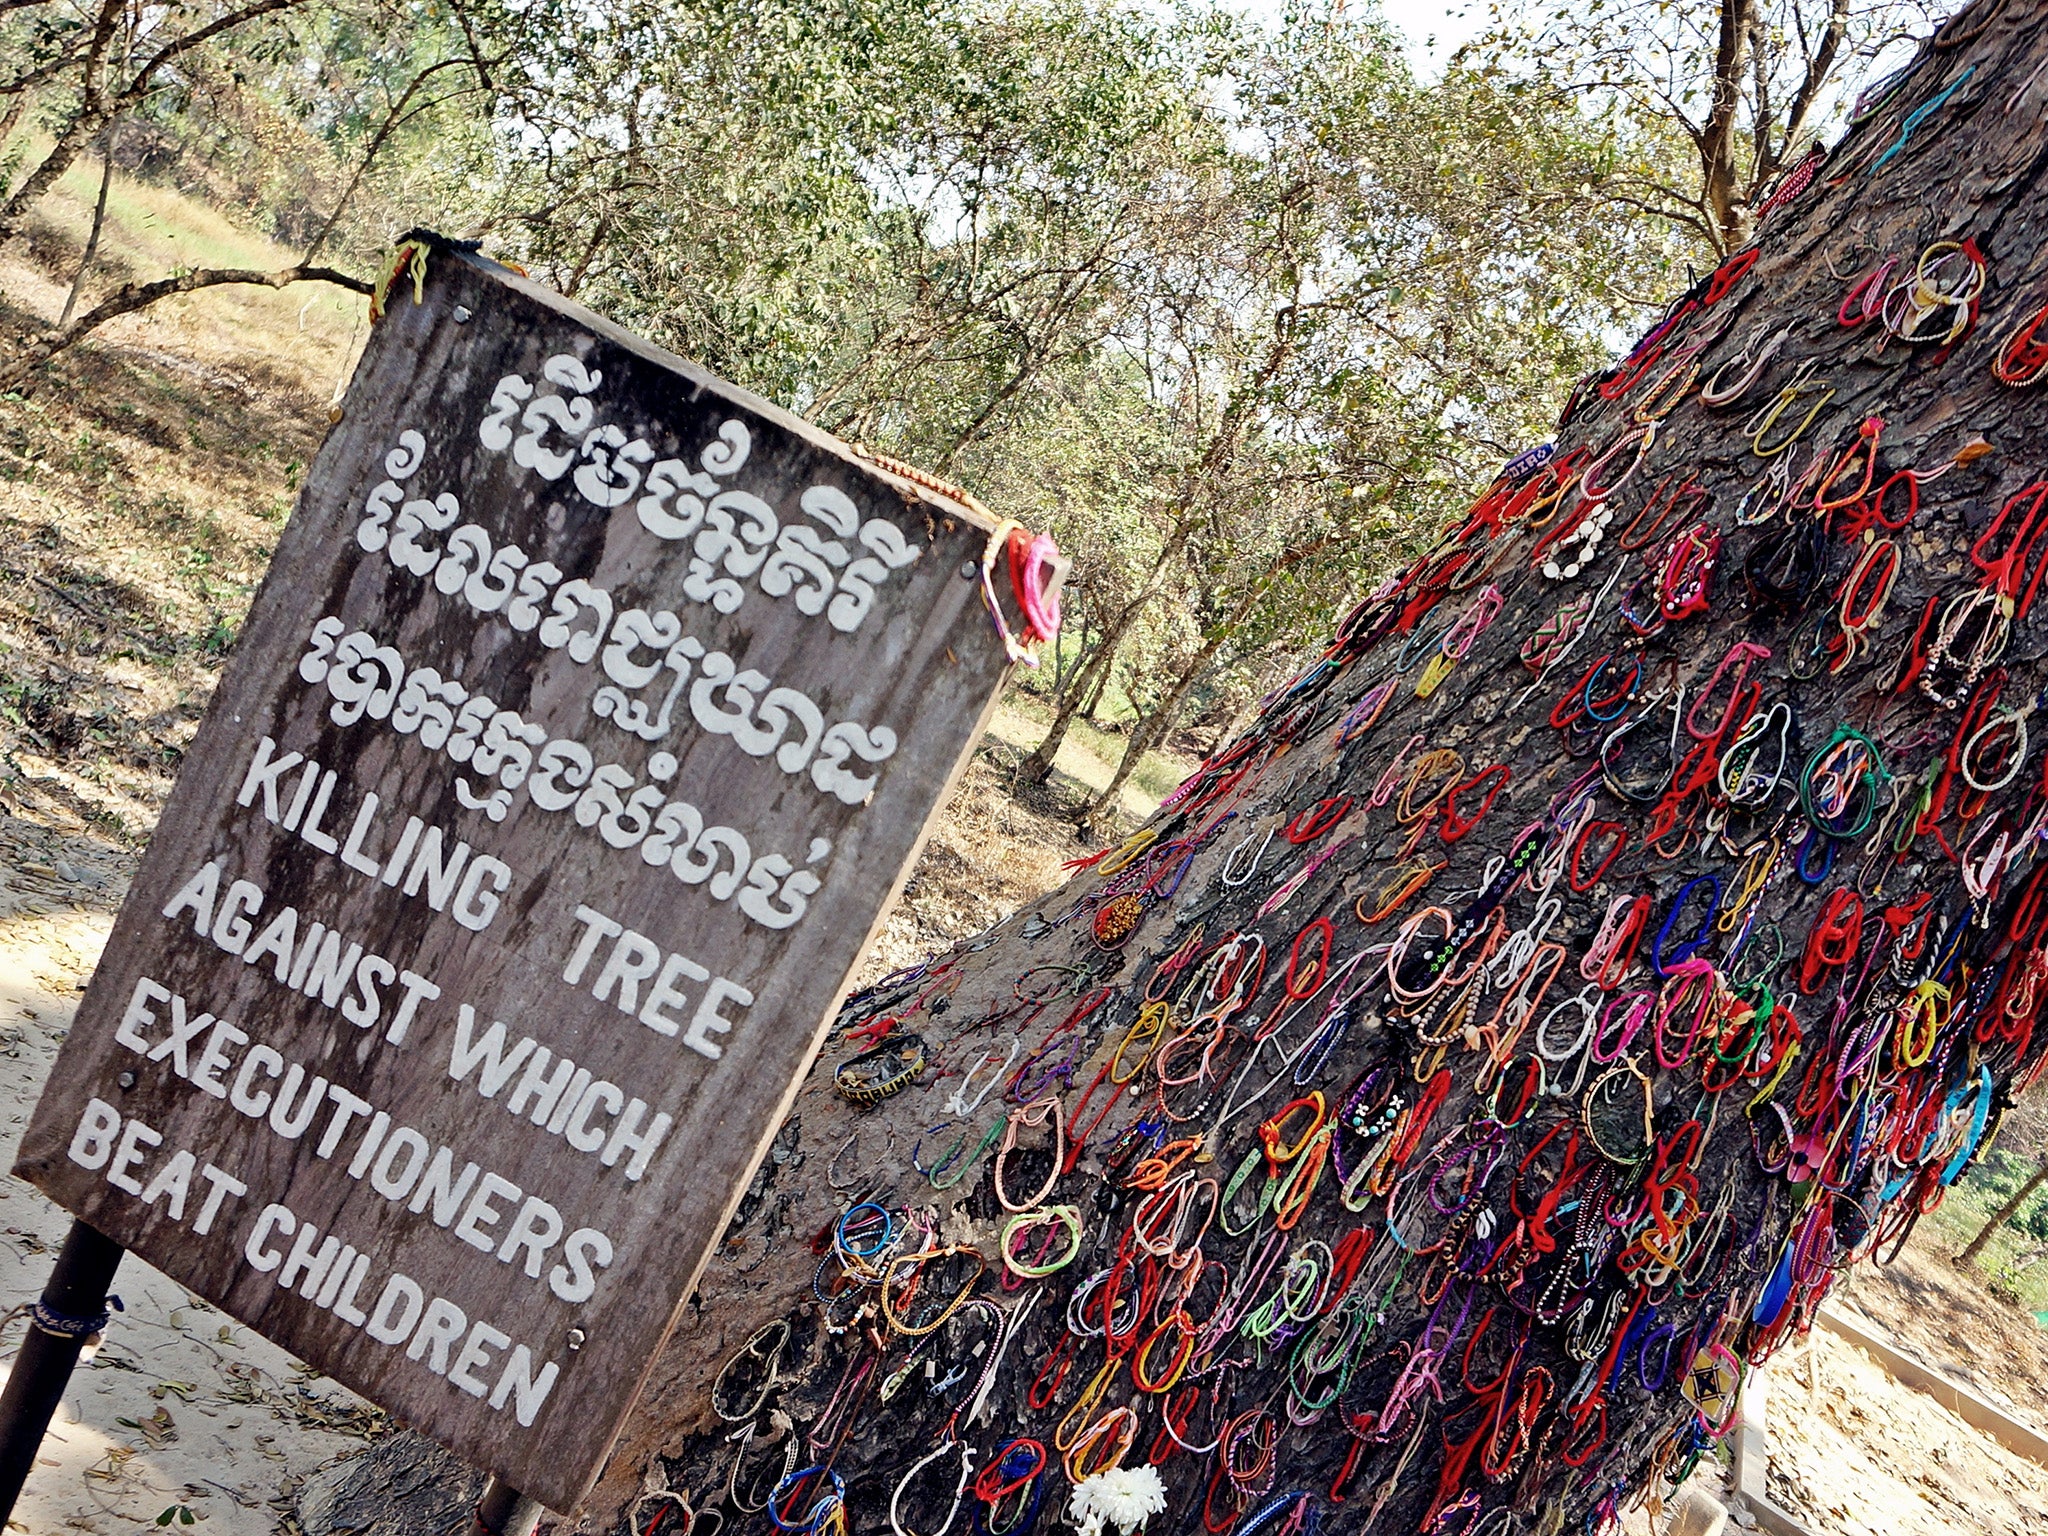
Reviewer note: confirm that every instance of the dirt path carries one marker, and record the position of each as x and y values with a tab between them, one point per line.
1953	1322
180	1407
1853	1453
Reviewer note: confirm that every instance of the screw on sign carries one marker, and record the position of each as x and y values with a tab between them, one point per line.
1631	918
587	721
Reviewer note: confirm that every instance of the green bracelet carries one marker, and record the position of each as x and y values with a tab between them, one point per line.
1066	1215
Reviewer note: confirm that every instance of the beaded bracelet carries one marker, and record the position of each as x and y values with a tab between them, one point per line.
872	1076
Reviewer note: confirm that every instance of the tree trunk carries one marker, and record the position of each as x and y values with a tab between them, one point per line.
1059	649
70	139
1717	139
1037	768
1452	1078
92	239
1148	733
10	115
1094	679
1094	702
2004	1214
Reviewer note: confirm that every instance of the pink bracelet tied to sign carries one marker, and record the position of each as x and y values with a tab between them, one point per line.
1030	559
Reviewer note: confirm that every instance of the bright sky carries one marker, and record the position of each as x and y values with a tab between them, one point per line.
1447	22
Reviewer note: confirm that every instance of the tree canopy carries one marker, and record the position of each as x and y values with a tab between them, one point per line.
1227	307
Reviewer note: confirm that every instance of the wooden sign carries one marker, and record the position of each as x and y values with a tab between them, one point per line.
587	722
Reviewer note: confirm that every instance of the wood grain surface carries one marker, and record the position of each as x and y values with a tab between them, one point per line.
291	1037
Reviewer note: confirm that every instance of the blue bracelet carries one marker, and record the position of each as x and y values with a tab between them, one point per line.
1702	936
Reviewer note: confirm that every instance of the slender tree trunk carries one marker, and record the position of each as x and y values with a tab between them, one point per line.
1149	733
1037	768
2004	1214
10	115
1094	678
72	137
1103	678
1152	730
1059	649
1718	173
102	93
92	240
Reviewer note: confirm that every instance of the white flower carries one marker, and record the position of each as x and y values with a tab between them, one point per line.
1124	1496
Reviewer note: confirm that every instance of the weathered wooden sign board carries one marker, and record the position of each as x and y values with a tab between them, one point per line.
588	720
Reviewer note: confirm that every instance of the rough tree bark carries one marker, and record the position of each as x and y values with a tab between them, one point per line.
1649	1053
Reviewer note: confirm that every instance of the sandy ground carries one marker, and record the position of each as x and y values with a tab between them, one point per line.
1952	1321
180	1407
1855	1454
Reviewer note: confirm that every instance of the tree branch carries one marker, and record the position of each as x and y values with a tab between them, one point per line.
391	121
139	85
1820	64
131	297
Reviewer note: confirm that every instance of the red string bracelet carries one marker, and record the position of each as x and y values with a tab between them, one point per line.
1043	1391
1318	819
989	1484
1297	988
1876	503
1617	834
1864	448
1728	274
1832	942
1857	307
1456	827
1420	1115
2006	571
1683	589
1916	649
2022	358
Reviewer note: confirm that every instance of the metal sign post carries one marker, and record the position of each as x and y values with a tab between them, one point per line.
73	1308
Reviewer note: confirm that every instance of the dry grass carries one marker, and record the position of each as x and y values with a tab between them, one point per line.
987	856
1088	757
144	478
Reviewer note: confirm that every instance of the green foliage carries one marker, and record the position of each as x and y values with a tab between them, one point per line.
1705	101
1239	312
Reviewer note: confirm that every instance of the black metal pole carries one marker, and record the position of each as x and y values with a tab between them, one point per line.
505	1511
74	1306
